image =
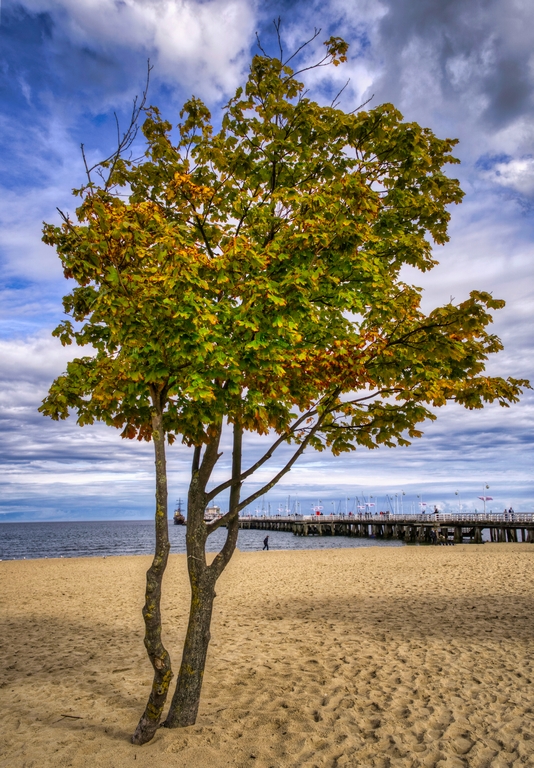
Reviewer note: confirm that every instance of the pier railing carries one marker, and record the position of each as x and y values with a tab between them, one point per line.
429	527
454	518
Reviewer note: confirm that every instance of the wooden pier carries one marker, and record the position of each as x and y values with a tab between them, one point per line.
429	528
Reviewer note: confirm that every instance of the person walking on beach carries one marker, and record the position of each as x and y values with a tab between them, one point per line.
266	543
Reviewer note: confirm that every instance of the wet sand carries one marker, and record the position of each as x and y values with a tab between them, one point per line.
414	656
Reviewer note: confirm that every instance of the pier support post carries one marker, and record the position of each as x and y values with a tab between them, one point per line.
406	529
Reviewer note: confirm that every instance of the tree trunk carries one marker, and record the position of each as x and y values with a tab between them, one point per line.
186	699
159	658
184	706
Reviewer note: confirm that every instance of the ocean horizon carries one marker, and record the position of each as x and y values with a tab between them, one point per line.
107	538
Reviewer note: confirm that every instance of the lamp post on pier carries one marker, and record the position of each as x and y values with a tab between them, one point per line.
485	498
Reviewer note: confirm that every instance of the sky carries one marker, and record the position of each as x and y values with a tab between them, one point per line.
464	69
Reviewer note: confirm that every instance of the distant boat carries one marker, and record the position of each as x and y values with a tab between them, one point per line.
212	513
178	517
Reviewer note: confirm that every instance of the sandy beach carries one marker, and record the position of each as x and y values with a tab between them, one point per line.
414	656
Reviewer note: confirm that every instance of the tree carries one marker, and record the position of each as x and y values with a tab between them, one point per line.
250	277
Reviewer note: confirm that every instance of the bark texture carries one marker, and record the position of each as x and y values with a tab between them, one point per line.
186	699
158	655
184	706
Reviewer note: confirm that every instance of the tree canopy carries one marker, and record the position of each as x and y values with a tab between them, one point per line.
252	274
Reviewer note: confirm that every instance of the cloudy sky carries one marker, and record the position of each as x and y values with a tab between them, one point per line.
465	69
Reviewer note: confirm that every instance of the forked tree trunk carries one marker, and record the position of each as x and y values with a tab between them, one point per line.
186	699
184	706
203	578
185	702
159	658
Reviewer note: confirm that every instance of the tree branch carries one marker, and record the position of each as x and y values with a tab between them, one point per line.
336	97
371	97
316	33
128	136
302	447
277	24
214	524
309	414
266	456
261	47
196	459
223	557
211	456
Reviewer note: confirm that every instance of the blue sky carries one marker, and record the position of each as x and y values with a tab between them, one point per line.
466	70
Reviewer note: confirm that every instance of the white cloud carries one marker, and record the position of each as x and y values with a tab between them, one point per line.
450	83
37	359
201	45
514	174
51	165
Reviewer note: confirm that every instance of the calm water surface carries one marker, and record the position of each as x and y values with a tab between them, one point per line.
136	537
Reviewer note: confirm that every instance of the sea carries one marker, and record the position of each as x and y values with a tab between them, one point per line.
107	538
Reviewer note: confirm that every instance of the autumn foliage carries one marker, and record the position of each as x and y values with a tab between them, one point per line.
251	275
